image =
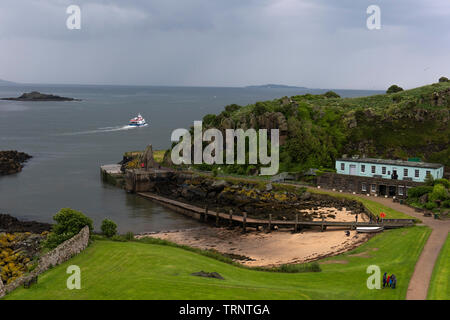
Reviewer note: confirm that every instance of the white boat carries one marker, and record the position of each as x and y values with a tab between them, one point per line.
369	229
138	121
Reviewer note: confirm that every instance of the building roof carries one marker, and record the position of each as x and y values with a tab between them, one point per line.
395	162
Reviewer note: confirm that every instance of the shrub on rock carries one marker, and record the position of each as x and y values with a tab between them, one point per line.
394	88
331	95
69	222
109	228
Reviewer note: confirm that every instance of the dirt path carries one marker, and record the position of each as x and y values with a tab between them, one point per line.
420	280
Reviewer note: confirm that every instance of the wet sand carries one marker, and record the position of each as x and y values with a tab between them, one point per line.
269	249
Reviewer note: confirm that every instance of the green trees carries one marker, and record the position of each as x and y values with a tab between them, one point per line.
331	94
444	79
109	228
69	222
259	109
439	193
232	107
429	180
417	192
393	89
211	120
434	196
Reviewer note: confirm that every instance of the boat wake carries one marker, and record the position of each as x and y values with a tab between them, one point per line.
102	130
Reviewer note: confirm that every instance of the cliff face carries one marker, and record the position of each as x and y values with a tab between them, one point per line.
317	129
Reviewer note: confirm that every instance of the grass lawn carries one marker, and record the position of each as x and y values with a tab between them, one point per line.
439	288
136	270
374	207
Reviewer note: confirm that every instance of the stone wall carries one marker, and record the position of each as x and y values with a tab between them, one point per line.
60	254
2	289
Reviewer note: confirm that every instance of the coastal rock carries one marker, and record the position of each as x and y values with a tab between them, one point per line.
424	199
305	196
285	101
274	120
11	224
219	185
18	251
227	123
37	96
11	161
249	197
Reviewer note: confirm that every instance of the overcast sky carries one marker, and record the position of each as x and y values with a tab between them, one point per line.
312	43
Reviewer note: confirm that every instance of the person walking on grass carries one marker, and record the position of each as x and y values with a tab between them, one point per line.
389	280
394	281
384	279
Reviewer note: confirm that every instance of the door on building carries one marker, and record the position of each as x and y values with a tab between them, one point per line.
383	190
394	174
353	169
392	191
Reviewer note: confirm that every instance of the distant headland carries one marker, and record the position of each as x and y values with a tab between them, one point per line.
275	86
37	96
7	83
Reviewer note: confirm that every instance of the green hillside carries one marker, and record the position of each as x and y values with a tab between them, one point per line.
317	129
137	270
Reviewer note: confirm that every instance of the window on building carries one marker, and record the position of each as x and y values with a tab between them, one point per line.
363	187
405	172
383	170
428	173
342	166
401	191
373	169
363	168
416	173
373	188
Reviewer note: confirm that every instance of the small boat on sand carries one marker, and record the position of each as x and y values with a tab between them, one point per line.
138	121
369	229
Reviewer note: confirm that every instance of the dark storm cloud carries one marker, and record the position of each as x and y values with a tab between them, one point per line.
315	43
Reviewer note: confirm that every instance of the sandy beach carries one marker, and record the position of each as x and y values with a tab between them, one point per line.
269	249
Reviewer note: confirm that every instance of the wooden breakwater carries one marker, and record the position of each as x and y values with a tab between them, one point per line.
230	219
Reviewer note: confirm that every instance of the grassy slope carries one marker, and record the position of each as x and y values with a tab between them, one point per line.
374	207
133	270
439	288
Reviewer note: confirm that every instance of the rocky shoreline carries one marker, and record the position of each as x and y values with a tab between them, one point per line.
20	246
11	224
37	96
258	200
12	161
